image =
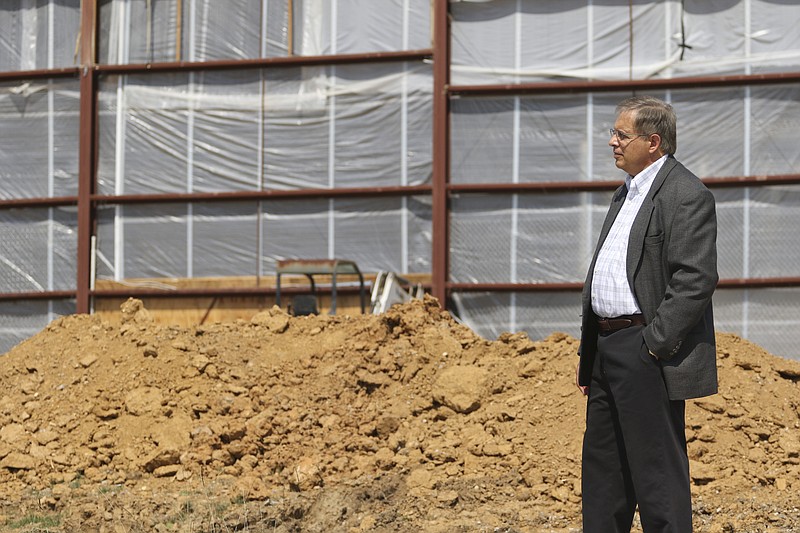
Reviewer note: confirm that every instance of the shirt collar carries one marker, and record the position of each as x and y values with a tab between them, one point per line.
640	183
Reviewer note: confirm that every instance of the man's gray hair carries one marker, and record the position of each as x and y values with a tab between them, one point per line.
652	115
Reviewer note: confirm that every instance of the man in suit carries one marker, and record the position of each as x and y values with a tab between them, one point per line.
647	338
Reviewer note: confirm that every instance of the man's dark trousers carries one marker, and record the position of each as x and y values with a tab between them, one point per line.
634	448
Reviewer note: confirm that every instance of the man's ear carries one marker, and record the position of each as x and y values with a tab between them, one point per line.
655	143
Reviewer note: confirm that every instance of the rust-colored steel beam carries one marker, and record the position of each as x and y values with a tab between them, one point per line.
758	283
441	149
267	62
67	72
362	192
513	287
86	154
191	293
607	185
540	187
748	181
44	295
19	203
222	291
728	283
234	196
167	293
219	292
697	82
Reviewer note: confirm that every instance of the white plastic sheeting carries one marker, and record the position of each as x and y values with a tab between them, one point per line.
20	320
312	127
767	317
278	129
524	238
38	158
36	34
369	125
281	129
39	148
174	241
140	31
565	138
549	238
315	127
38	249
552	237
37	254
524	139
507	41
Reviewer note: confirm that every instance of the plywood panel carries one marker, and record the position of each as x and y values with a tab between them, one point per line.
194	310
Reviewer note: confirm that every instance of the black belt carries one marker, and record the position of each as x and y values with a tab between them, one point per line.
609	325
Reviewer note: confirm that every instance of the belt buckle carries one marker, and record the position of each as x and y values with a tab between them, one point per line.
624	323
614	324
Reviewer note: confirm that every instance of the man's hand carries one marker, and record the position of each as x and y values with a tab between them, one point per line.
583	388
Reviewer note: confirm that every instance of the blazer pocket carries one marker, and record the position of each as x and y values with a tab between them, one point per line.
644	352
650	240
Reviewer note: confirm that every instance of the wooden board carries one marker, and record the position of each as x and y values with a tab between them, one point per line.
195	310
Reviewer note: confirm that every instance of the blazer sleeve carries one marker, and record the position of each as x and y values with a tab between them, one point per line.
689	263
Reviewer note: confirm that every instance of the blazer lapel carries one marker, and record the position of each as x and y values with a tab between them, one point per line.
642	220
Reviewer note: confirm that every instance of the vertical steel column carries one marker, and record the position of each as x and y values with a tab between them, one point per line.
441	149
86	147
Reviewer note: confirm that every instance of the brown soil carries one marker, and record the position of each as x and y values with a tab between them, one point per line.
401	422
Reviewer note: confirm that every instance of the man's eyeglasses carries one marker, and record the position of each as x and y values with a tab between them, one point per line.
625	137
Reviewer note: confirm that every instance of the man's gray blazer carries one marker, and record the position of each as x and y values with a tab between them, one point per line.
672	268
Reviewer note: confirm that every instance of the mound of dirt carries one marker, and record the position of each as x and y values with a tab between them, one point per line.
405	421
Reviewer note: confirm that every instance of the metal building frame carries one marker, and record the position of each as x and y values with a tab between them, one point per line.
87	201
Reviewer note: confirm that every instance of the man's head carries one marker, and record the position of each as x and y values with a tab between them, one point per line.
643	132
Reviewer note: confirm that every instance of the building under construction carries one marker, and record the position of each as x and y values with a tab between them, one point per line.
182	151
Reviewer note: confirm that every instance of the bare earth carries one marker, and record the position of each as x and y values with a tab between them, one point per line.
403	422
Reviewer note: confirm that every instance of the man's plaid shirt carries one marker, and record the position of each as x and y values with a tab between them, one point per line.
611	294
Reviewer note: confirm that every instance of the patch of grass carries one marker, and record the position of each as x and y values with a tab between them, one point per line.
112	489
220	507
75	483
40	522
187	510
